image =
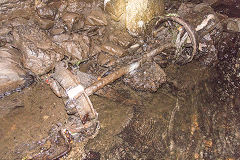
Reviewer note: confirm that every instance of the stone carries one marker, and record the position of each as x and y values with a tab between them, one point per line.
58	38
105	60
8	7
39	53
210	2
47	12
147	78
112	49
74	49
5	34
11	72
96	18
84	42
233	25
70	19
122	38
78	25
94	49
77	46
57	31
44	24
139	13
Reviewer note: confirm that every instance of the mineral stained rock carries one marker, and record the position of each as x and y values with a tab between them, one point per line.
76	45
39	53
112	49
11	73
147	78
70	19
122	38
135	14
7	7
96	18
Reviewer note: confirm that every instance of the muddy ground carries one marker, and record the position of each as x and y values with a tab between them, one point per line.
195	114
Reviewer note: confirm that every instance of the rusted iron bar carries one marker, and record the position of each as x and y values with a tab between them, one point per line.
122	71
129	68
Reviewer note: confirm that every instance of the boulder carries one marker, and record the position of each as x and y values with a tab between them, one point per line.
112	49
39	53
147	78
11	72
70	19
96	18
76	45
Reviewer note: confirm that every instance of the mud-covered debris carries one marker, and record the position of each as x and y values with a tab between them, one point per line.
200	12
106	60
122	38
5	34
147	78
91	155
70	79
59	38
56	88
11	72
229	7
85	79
39	53
83	121
7	7
208	26
112	49
47	12
76	45
233	24
71	19
57	31
44	24
96	18
81	6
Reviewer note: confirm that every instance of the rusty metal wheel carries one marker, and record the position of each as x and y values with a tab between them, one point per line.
182	35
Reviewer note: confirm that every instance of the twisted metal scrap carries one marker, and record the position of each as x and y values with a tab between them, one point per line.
122	71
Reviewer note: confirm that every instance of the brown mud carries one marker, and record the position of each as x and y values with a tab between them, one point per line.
193	115
27	121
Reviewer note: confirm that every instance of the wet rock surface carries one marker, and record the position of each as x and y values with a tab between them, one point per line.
13	77
7	7
229	7
39	53
160	111
29	120
148	78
